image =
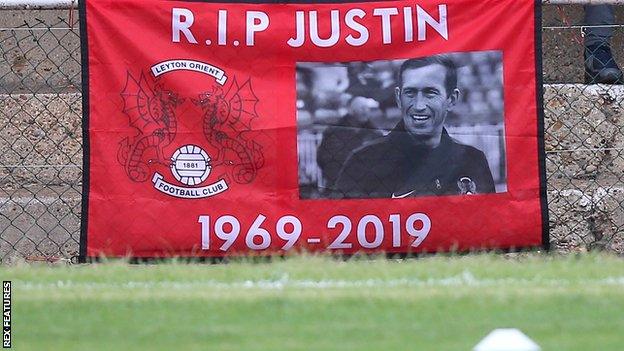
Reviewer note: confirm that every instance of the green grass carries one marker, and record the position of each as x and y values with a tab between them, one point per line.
317	303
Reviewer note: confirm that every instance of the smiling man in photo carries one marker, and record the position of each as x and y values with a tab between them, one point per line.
418	157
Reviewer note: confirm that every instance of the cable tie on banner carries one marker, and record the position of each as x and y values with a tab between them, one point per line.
71	15
566	21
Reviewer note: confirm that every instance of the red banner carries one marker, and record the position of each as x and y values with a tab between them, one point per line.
214	129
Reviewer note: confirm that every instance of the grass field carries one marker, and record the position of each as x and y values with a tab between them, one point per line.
318	303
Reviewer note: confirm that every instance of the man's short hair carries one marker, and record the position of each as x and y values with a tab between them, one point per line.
450	81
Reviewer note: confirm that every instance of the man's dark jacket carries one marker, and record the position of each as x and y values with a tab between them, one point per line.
397	166
339	141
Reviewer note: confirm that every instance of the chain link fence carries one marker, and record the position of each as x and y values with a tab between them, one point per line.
41	135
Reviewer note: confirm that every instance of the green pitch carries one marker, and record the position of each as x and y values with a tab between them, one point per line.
317	303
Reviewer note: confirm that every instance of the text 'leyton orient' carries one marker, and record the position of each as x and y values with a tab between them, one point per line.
307	26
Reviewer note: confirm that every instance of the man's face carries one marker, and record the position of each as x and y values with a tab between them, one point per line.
424	101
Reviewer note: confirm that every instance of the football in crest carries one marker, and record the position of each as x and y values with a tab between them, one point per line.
190	165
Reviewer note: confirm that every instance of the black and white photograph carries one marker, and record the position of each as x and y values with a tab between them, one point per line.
424	126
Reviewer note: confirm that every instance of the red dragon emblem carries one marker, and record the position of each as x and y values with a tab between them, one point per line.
151	111
227	113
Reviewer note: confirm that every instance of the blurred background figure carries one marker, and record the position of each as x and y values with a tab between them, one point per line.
351	132
373	80
303	78
600	66
305	100
329	83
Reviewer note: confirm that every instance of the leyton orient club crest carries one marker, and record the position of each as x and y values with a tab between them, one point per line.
227	110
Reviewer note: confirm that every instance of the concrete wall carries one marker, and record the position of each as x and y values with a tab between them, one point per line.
585	187
585	165
41	158
43	66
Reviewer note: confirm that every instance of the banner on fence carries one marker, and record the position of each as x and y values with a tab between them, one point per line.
217	129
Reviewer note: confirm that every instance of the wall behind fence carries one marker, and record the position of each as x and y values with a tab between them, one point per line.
41	155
